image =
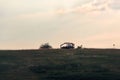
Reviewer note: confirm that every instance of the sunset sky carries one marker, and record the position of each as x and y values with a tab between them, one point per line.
26	24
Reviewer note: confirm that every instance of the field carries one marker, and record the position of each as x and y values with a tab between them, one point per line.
59	64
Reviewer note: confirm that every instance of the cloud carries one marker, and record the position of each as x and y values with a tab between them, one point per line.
115	4
84	8
34	9
101	5
94	6
91	6
58	7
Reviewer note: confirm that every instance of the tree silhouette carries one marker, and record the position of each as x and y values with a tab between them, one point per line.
45	46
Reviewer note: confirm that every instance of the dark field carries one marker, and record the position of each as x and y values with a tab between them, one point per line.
76	64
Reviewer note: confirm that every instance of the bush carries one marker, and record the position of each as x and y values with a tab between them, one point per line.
45	46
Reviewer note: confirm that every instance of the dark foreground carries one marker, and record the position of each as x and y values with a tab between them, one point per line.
87	64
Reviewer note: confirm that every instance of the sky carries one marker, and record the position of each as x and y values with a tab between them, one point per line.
26	24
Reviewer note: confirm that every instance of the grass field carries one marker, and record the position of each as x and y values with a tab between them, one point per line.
56	64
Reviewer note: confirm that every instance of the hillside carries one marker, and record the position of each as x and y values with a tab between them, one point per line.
74	64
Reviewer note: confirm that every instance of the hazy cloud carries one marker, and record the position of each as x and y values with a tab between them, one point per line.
94	6
101	5
87	7
115	4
